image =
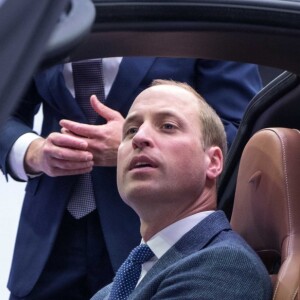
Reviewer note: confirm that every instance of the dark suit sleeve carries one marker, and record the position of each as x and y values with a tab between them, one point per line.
228	87
221	273
19	123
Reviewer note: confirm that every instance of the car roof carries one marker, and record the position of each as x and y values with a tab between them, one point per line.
262	32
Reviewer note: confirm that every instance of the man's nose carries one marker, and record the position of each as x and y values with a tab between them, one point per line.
143	137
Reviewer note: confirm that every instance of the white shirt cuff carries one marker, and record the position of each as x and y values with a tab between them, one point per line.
17	154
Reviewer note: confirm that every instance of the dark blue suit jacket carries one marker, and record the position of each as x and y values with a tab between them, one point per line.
227	86
208	262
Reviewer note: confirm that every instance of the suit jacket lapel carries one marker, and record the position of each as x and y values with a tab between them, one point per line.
131	73
52	88
194	240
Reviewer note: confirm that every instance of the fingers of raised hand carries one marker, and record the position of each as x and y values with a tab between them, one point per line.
104	111
76	129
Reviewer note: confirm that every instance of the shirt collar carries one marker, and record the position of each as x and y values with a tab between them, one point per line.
161	242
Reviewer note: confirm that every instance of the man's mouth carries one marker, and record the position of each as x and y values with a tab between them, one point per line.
142	165
142	162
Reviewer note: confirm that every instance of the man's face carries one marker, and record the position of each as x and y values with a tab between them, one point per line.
161	155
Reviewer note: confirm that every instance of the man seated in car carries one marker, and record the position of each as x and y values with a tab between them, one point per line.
169	160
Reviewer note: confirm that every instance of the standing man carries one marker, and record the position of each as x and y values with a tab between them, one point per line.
67	249
169	160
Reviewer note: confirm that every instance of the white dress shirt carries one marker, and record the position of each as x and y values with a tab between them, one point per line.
18	151
161	242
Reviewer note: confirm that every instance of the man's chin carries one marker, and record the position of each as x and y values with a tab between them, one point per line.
140	192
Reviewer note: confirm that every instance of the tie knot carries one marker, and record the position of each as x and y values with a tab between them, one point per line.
141	254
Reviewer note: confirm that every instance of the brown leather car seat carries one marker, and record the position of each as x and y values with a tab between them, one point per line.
266	210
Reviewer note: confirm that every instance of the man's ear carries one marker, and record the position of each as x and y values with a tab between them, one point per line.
215	165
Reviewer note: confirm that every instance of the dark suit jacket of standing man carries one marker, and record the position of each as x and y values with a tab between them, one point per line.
227	86
194	268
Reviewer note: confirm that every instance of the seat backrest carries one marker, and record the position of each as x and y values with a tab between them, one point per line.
266	210
276	105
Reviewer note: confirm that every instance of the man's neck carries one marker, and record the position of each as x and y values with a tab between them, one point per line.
150	228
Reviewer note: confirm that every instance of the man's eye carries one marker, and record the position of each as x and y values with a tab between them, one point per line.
131	130
168	126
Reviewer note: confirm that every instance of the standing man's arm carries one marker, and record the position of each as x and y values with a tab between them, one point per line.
228	87
18	126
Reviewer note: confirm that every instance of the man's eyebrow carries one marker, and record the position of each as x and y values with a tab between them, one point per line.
136	117
162	113
131	118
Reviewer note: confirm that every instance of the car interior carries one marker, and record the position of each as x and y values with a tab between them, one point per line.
262	202
266	204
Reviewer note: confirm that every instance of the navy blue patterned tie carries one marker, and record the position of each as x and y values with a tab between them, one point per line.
88	80
129	273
